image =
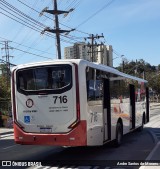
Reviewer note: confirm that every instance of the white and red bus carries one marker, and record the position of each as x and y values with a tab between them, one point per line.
76	103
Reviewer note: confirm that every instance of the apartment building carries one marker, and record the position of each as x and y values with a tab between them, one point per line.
99	53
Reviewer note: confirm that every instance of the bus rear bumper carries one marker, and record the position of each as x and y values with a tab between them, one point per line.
76	137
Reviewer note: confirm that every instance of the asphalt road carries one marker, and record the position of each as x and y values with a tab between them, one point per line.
135	146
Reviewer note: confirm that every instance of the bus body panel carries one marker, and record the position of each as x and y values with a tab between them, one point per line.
122	111
96	134
46	113
94	113
48	119
82	89
68	118
95	127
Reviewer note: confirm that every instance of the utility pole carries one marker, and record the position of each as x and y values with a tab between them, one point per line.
7	56
93	37
57	30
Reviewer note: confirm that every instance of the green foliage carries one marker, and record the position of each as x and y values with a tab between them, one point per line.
5	90
144	70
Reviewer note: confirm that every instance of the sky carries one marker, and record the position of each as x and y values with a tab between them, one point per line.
132	27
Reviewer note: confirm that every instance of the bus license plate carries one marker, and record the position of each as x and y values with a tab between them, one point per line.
45	130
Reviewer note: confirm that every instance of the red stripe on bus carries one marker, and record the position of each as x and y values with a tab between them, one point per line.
13	97
75	123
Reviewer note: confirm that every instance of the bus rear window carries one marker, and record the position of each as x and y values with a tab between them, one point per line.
44	78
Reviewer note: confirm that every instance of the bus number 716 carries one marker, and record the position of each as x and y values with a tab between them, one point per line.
62	99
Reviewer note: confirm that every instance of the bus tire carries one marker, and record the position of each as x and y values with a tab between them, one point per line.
119	134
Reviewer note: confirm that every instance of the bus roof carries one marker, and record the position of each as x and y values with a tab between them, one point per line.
117	72
81	61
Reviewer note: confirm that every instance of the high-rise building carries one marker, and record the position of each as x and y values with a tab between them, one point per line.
100	53
77	51
105	55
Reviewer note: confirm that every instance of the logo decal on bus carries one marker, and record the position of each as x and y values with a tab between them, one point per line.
27	119
29	103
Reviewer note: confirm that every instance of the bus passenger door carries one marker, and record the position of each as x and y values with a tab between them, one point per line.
106	110
132	105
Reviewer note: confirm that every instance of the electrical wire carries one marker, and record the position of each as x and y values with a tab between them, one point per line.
20	13
28	52
93	15
51	18
26	23
32	53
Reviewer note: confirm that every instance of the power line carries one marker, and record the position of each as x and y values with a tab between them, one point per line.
20	13
7	56
28	52
51	18
92	45
29	48
100	10
30	33
23	22
57	30
32	53
3	61
31	26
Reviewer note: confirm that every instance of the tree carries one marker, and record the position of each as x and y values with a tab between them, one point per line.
5	90
140	68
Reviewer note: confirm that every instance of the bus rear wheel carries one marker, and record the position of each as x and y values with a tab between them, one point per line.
119	134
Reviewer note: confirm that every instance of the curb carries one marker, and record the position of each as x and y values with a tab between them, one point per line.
6	132
6	135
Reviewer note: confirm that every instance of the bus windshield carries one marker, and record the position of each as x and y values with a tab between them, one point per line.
44	78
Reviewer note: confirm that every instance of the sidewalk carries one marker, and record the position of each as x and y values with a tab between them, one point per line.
5	131
155	153
153	105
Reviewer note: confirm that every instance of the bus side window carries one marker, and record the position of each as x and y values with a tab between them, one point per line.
89	81
94	85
